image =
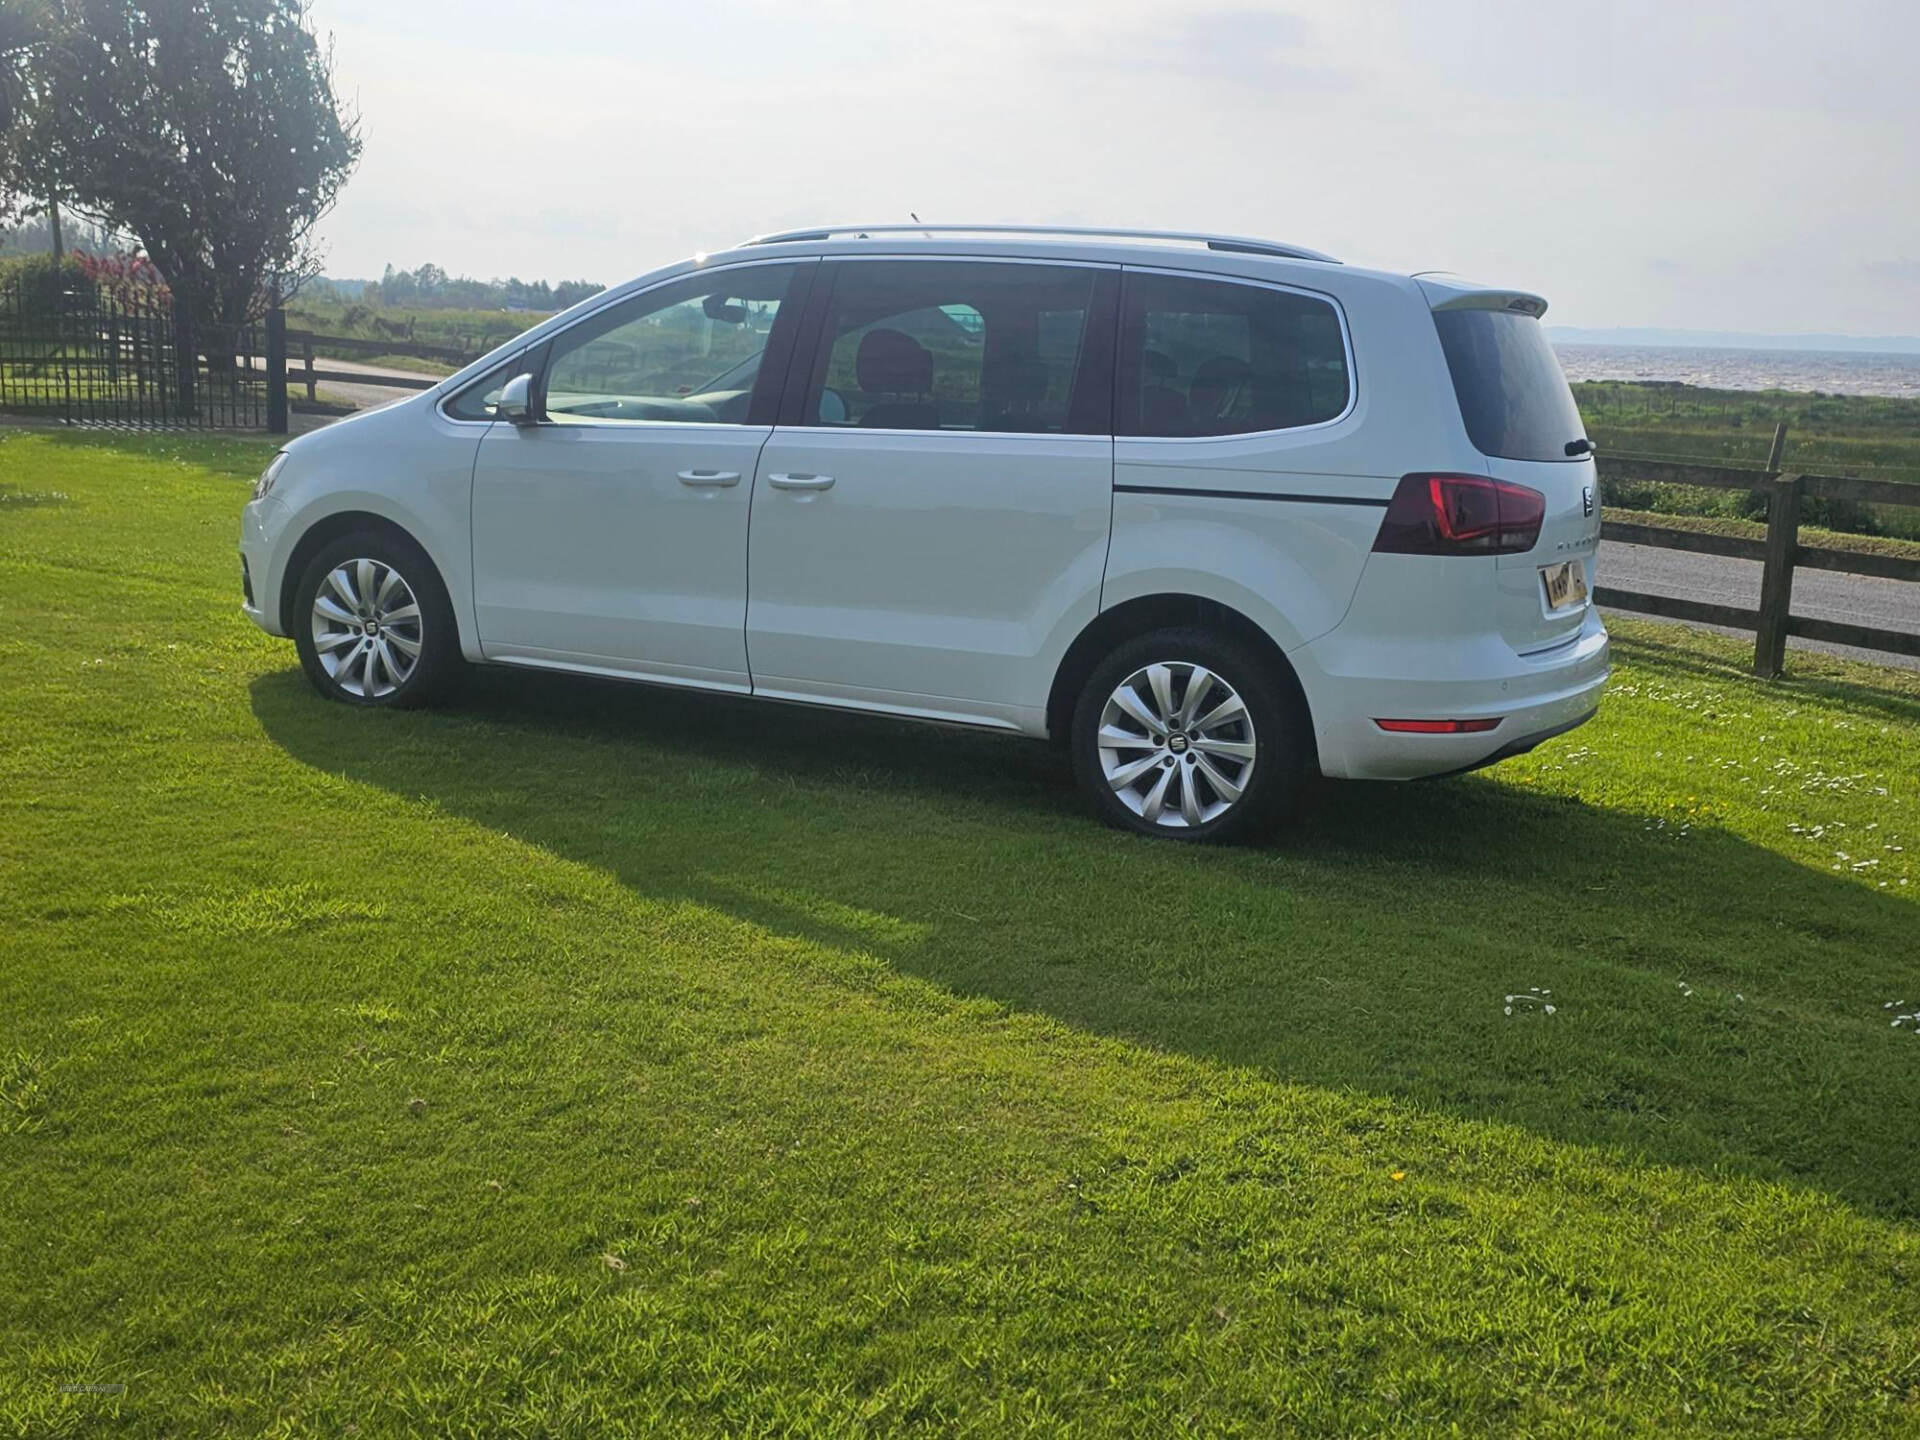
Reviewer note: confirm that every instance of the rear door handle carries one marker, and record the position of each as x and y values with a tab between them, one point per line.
787	481
709	477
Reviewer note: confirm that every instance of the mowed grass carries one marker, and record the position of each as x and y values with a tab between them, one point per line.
586	1060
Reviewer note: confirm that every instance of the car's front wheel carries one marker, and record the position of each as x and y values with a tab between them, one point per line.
373	624
1190	735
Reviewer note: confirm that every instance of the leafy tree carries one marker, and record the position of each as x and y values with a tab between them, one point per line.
569	293
430	287
22	31
207	128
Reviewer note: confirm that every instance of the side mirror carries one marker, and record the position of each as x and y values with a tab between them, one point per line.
516	401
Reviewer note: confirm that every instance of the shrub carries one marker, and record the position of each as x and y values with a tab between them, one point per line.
39	283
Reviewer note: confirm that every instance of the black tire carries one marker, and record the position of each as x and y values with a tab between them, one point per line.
437	668
1273	712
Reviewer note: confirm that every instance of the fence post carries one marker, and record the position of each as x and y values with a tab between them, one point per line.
1776	576
306	356
186	355
276	371
1778	449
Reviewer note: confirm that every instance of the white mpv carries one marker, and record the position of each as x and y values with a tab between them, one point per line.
1212	512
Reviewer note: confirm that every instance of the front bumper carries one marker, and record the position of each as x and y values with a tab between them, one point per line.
261	525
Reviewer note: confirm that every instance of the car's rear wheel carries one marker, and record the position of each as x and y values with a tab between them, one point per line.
373	624
1189	735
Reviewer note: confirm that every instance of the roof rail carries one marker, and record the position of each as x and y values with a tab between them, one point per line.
1237	243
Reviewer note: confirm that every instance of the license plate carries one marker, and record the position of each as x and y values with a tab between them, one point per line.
1566	584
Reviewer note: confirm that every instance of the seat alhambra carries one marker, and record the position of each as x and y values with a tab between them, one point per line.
1210	512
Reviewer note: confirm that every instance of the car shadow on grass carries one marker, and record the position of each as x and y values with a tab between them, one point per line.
1716	1005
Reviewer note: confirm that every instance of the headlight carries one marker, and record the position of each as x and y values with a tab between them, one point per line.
269	475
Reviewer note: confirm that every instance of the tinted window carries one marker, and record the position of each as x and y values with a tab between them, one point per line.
686	351
954	345
477	400
1512	394
1212	357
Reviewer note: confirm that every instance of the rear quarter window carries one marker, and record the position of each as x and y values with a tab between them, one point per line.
1227	357
1513	395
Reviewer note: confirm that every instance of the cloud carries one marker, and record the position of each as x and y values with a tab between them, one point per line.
1640	163
1900	272
1267	49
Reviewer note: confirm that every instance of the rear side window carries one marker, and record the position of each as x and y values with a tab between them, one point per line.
1219	357
1512	393
961	345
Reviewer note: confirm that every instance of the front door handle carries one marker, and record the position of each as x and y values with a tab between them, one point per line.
786	481
709	477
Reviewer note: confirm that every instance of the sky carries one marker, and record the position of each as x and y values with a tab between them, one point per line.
1690	164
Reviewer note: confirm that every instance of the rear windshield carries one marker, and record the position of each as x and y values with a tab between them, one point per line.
1512	395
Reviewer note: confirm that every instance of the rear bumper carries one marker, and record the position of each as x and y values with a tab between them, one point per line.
1534	697
1519	747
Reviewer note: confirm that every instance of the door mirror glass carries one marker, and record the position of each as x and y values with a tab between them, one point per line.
833	407
516	401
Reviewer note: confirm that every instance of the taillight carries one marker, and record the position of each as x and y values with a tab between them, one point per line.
1460	515
1439	727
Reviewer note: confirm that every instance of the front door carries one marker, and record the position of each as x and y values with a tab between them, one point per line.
934	520
612	533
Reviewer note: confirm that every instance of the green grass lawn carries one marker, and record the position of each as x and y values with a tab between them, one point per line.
586	1060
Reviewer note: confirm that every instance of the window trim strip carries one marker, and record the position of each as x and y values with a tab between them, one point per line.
1288	497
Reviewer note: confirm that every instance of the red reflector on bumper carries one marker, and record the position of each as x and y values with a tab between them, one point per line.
1438	727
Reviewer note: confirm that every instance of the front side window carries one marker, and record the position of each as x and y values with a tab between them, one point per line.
958	345
688	351
1216	357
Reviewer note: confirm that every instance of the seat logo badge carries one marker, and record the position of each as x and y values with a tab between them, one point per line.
1177	743
1586	500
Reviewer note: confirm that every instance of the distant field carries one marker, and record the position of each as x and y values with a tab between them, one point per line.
472	331
1826	434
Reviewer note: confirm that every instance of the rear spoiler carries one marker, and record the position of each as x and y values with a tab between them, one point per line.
1450	294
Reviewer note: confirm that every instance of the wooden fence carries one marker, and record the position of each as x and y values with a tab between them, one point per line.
306	345
1779	554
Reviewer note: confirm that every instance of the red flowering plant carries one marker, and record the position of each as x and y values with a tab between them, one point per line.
126	274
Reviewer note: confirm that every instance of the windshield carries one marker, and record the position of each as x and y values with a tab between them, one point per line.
1512	393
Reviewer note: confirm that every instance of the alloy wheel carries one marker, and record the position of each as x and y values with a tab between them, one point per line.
1177	745
367	629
